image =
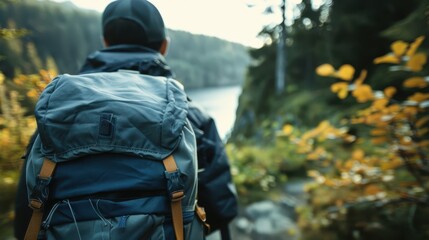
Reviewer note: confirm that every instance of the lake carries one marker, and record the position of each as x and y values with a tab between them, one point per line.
221	103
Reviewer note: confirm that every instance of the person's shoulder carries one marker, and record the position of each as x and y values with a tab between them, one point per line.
197	114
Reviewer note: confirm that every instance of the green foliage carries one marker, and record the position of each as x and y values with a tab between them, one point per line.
258	170
344	32
373	183
55	31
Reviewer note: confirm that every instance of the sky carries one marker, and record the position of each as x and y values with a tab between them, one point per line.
232	20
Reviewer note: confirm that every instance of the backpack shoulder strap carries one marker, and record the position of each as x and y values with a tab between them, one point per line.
38	199
176	191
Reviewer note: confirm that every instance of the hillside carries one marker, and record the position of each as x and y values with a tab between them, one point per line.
60	35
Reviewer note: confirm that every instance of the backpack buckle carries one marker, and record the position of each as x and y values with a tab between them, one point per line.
40	193
175	185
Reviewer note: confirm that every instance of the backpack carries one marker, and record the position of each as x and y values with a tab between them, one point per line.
114	158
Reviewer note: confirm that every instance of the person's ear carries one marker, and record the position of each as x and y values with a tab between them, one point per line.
164	46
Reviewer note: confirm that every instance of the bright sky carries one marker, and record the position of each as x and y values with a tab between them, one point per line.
231	20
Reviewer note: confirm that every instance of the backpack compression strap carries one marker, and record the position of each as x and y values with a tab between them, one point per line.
176	191
38	197
40	194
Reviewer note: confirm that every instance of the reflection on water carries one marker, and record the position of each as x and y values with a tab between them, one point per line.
221	103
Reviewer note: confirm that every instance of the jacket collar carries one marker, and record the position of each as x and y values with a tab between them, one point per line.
127	57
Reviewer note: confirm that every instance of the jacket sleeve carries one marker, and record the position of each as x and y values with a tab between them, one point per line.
216	192
22	210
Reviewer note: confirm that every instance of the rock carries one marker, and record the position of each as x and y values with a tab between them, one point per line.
266	220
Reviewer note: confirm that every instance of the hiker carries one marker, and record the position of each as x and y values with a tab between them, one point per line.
135	40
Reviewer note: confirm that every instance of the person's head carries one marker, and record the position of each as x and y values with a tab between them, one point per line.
134	22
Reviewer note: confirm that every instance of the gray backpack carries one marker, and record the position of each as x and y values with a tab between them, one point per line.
114	158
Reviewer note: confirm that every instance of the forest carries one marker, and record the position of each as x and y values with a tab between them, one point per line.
352	119
59	36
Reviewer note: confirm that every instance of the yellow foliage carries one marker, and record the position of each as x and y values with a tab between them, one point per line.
413	47
378	131
379	104
394	108
287	129
389	92
399	48
419	97
341	88
358	155
418	82
345	72
372	189
379	140
361	77
349	165
389	58
1	78
316	154
422	121
416	62
325	70
391	164
410	110
363	93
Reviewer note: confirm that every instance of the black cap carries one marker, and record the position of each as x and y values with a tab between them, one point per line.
141	12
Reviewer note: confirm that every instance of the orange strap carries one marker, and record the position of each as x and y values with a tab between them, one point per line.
33	229
176	201
201	213
47	171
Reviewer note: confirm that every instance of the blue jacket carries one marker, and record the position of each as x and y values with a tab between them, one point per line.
216	192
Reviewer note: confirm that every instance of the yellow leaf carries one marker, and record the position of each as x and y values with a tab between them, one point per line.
313	156
418	82
416	62
380	104
345	72
379	140
422	121
1	78
287	129
325	70
363	93
419	97
393	108
374	118
399	48
378	132
358	154
349	164
410	111
361	77
389	92
389	58
341	88
413	47
392	164
372	189
32	93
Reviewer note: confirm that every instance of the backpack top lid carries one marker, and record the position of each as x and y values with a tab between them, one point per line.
118	112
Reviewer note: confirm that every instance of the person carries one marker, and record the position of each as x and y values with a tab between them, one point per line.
135	39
